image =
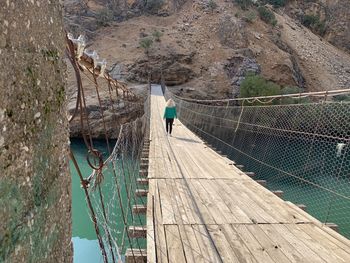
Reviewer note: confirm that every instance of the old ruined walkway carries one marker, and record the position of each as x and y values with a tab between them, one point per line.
202	208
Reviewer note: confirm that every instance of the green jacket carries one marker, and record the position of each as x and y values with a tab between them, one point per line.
170	113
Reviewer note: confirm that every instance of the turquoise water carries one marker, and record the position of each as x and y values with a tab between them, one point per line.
309	173
86	247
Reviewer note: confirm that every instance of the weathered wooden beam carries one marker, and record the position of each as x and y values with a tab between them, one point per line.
250	174
262	182
333	226
144	155
143	165
301	206
143	181
143	172
141	192
279	193
137	231
136	255
139	209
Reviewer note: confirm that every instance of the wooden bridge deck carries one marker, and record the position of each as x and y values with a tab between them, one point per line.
201	208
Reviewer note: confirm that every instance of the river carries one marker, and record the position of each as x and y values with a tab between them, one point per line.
86	247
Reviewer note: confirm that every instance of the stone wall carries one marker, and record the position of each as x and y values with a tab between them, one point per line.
35	191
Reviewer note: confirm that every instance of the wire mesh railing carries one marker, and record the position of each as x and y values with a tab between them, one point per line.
300	147
111	181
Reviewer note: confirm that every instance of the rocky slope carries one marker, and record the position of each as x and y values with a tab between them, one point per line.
335	14
206	52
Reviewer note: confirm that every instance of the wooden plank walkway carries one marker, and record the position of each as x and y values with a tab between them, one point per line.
201	208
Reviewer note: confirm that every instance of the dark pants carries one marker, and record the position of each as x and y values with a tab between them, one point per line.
170	123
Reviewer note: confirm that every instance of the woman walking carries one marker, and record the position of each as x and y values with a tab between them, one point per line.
169	115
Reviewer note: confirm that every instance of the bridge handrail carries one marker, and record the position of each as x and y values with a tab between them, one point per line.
294	96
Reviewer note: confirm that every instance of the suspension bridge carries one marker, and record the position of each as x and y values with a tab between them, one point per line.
203	208
186	197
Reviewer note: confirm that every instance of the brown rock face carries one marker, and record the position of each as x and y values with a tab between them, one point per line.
338	31
334	13
35	191
175	66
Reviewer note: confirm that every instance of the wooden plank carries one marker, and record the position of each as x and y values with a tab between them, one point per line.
181	217
327	241
253	245
296	242
237	245
241	216
161	245
168	213
313	244
188	205
272	248
273	205
136	255
175	249
207	246
141	192
151	239
137	231
196	249
139	209
142	181
249	206
223	246
209	202
220	203
290	252
202	212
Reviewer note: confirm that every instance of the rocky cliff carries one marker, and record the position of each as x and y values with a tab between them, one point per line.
35	190
205	49
333	15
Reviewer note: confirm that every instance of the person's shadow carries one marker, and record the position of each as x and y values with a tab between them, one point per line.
186	140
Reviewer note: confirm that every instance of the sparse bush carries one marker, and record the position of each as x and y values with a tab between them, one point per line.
256	85
212	5
104	17
153	6
244	4
292	90
250	16
314	23
276	3
267	16
146	43
341	98
157	35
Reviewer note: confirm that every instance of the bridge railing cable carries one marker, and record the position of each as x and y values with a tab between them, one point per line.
300	148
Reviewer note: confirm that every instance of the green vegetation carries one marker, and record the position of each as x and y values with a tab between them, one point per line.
258	86
244	4
50	55
157	35
104	17
152	6
267	16
212	5
276	3
250	16
342	98
146	44
314	23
